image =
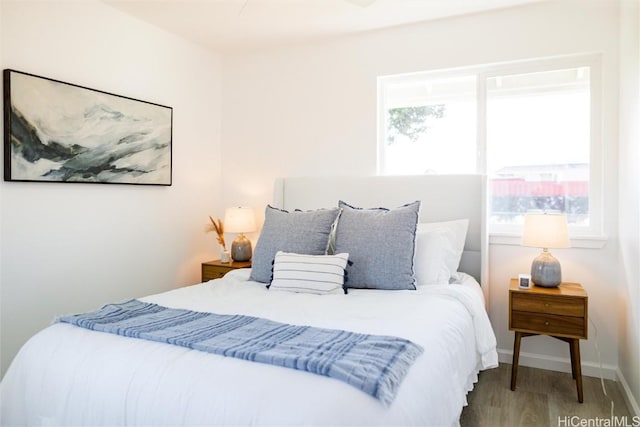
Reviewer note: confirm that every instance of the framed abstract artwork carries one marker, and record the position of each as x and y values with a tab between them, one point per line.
61	132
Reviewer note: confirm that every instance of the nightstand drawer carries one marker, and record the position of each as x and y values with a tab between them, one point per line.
547	304
210	273
216	269
551	324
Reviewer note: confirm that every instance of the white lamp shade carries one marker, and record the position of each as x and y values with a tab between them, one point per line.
239	220
545	230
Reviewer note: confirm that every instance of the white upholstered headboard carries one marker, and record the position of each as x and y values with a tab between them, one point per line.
443	197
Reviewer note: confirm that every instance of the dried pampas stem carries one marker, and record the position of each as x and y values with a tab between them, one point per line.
219	229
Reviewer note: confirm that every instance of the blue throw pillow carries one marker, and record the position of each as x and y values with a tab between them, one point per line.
381	243
302	232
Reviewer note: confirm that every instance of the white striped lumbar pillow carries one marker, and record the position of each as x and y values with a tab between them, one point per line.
316	274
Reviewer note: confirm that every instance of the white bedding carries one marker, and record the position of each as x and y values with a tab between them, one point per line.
67	375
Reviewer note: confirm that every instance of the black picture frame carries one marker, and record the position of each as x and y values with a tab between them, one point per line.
61	132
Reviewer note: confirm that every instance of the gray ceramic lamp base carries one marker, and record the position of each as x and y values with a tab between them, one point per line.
546	271
241	249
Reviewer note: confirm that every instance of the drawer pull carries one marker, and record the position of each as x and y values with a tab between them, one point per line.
546	323
546	304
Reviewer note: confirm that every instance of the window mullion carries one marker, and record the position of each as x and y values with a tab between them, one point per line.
481	123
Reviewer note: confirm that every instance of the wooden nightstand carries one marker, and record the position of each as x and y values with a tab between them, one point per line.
557	312
216	269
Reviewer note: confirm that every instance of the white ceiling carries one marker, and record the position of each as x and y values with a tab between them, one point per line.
227	25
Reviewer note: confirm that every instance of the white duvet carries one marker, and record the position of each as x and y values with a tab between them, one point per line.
67	375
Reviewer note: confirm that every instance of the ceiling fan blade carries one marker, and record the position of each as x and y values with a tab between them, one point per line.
361	3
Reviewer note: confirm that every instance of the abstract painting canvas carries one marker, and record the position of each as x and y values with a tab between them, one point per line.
61	132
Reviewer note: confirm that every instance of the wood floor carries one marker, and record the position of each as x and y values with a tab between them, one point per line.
542	398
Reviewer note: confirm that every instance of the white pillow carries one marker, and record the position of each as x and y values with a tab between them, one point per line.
439	247
315	274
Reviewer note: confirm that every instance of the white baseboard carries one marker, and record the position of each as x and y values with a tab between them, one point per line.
632	404
560	364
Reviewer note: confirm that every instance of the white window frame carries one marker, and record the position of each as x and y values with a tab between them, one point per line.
505	233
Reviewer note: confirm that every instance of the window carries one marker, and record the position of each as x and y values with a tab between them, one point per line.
538	144
532	127
422	119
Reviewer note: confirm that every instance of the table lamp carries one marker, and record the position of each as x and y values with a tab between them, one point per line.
240	220
545	230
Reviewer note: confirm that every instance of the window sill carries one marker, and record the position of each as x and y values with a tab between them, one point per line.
585	242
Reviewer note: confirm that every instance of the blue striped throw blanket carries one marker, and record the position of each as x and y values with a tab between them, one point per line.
374	364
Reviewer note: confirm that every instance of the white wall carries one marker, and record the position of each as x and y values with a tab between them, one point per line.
311	110
629	206
73	247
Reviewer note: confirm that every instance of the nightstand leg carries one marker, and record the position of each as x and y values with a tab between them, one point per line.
573	356
516	356
575	364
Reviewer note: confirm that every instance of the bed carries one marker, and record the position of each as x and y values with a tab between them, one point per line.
68	375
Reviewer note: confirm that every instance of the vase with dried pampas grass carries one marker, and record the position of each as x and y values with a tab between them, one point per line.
218	227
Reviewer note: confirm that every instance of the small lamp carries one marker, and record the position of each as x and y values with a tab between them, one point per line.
545	230
240	220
